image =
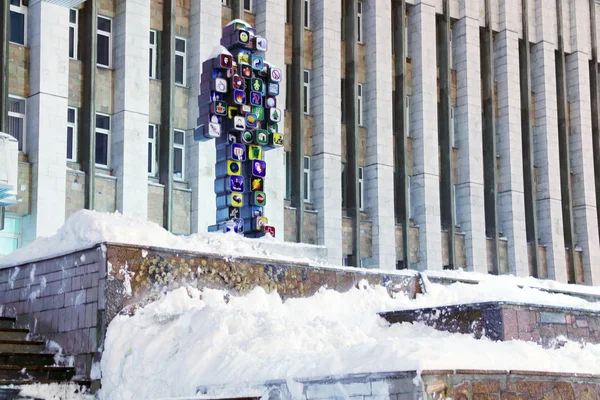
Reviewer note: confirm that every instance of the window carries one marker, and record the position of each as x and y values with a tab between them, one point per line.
248	5
409	197
287	162
10	236
104	45
152	132
451	128
73	22
307	179
179	154
72	134
359	93
18	22
16	120
225	3
307	14
180	61
152	49
361	189
407	115
306	92
102	142
343	101
359	26
344	185
288	87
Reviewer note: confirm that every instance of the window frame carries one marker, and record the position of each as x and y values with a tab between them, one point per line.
153	141
17	236
23	116
359	15
306	21
361	189
74	26
359	105
103	131
184	55
182	148
152	47
73	126
407	116
306	85
251	6
287	164
110	40
21	9
306	171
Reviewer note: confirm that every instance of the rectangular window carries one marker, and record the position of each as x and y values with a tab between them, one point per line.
18	22
104	45
307	14
248	5
343	101
307	179
288	87
409	197
102	140
180	61
72	134
73	24
359	94
306	92
10	236
344	185
224	3
451	128
152	54
359	26
287	162
152	164
361	189
16	120
178	154
407	115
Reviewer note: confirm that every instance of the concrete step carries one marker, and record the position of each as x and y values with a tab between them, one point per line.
7	322
16	374
21	346
27	359
13	333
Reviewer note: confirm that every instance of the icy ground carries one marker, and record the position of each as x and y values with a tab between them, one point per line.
191	338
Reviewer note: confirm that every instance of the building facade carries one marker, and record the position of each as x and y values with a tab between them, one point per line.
451	134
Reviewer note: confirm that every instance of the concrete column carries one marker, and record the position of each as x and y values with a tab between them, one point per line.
270	23
46	138
379	168
326	175
511	198
205	35
129	133
545	142
580	141
470	205
425	190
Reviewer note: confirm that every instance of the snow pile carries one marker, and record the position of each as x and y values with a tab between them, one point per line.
190	338
55	391
87	228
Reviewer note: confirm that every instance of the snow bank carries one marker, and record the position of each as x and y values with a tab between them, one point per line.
190	338
87	228
55	391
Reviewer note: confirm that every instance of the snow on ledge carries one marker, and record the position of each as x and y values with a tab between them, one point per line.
85	229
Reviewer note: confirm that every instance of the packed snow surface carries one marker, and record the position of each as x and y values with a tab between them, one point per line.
87	228
190	338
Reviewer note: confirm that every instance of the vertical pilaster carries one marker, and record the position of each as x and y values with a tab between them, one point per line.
446	152
527	142
167	104
470	206
379	168
4	39
425	190
129	134
327	131
511	199
205	36
581	145
594	90
270	23
47	118
545	143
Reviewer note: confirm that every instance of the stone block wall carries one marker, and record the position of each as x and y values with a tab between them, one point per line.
18	70
61	299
